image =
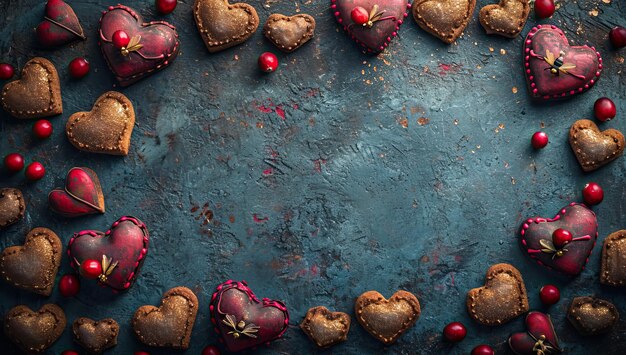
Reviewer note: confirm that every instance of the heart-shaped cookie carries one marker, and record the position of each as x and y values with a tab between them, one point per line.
106	129
613	271
170	324
34	265
95	336
554	69
506	18
538	239
242	320
444	19
223	25
34	332
36	94
540	335
592	316
387	319
12	206
594	148
60	25
325	328
153	45
122	249
288	33
501	299
384	18
81	196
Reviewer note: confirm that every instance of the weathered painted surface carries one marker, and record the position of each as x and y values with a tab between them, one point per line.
338	174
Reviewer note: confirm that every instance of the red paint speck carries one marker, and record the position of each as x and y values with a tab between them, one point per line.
258	219
314	270
264	108
267	172
449	68
280	112
295	106
317	164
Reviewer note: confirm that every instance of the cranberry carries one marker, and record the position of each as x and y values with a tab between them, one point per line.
618	37
14	162
79	67
120	39
359	15
165	6
35	171
90	268
544	8
6	71
560	237
604	109
69	352
268	62
539	140
42	129
592	194
141	353
211	350
483	349
69	285
454	332
549	295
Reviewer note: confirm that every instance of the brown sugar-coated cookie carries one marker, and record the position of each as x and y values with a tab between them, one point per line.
34	265
12	206
592	316
36	94
34	332
594	148
613	270
506	18
95	336
325	328
444	19
288	33
501	299
223	25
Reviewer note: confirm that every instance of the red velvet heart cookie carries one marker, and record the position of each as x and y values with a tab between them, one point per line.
377	24
152	47
60	25
122	250
539	336
554	69
81	196
12	206
242	320
562	243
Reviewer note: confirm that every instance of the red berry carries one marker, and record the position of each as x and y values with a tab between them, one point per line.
454	332
91	269
592	194
359	15
79	67
6	71
560	237
211	350
483	350
42	129
549	295
165	6
539	140
618	37
544	8
69	352
604	109
268	62
14	162
120	39
141	353
35	171
69	285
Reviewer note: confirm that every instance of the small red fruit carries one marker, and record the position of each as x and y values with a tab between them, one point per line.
604	109
120	39
141	353
6	71
483	349
268	62
539	140
211	350
35	171
618	37
454	332
560	237
14	162
592	194
69	352
42	129
91	269
166	6
544	8
549	295
79	67
359	15
69	285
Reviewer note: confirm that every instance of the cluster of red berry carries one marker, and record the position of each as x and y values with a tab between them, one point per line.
14	162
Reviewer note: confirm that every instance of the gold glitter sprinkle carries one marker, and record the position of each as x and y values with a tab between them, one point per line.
514	89
491	49
593	12
502	51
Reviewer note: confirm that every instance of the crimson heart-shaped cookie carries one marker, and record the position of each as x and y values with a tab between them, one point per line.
554	69
326	328
444	19
106	129
95	336
507	18
592	316
387	319
288	33
540	335
613	270
562	243
34	265
122	249
60	25
36	94
223	25
594	148
152	47
81	196
170	325
34	332
242	320
12	206
384	18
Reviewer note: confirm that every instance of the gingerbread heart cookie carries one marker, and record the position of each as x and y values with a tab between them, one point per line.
288	33
223	25
592	316
34	265
444	19
81	196
613	270
60	25
36	94
95	336
594	148
387	319
12	206
506	18
170	324
325	328
34	332
540	336
501	299
106	129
